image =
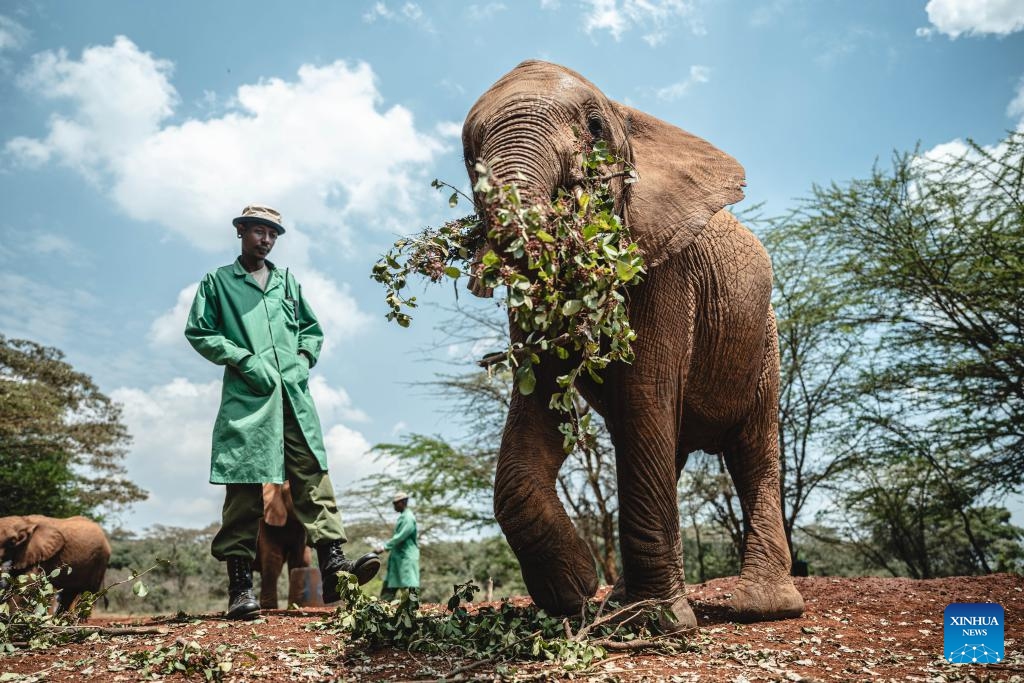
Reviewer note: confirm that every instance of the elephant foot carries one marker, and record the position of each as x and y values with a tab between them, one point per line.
562	584
678	618
753	601
560	593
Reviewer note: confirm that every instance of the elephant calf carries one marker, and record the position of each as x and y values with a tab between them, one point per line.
31	541
282	538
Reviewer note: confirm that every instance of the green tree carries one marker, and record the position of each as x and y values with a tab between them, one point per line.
820	354
925	267
62	442
932	253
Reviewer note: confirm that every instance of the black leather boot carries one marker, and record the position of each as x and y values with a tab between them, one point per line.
332	560
241	602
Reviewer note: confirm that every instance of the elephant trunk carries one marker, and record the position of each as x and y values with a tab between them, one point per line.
521	149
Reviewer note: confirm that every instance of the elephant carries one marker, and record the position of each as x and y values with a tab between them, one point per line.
282	538
34	541
706	369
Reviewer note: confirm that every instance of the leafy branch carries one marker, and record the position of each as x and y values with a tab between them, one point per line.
25	617
490	634
566	266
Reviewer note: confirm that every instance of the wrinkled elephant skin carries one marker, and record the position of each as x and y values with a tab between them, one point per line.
29	542
706	374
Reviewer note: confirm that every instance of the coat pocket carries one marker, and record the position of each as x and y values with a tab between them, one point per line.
257	375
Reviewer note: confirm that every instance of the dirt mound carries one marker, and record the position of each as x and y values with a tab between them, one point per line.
864	629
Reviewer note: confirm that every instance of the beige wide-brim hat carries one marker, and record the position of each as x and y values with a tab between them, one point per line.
401	495
256	213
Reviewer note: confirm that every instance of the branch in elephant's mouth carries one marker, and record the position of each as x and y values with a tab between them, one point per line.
565	264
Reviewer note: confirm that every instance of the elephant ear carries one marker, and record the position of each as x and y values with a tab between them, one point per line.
275	512
44	542
683	181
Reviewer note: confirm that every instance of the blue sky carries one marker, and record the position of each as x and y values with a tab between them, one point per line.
131	133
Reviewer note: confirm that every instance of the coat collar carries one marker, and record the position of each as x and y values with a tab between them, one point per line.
274	280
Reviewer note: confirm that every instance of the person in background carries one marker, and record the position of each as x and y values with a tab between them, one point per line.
251	318
404	560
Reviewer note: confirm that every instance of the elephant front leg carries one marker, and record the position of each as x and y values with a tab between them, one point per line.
557	566
643	420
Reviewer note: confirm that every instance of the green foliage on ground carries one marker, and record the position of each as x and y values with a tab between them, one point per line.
187	659
27	615
498	633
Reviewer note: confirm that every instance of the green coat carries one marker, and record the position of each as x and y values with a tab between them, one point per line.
257	335
404	560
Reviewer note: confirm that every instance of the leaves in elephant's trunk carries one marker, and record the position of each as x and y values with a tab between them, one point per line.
565	264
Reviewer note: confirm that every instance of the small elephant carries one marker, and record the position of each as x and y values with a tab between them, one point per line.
32	541
706	373
282	538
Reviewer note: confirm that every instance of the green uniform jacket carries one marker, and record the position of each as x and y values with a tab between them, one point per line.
404	560
257	335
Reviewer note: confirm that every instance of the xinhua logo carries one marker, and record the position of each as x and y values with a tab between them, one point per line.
973	633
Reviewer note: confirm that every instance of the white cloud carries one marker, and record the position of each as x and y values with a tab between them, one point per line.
35	310
481	12
318	147
974	17
332	404
698	74
169	328
13	35
1016	106
449	129
119	95
49	244
333	304
172	428
348	458
653	16
408	13
378	11
767	13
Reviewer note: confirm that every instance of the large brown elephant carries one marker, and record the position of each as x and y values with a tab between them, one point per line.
31	541
282	538
706	373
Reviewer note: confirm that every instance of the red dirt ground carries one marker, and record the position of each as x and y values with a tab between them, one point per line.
861	629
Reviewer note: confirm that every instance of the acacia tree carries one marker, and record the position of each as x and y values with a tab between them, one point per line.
820	353
62	443
933	252
928	252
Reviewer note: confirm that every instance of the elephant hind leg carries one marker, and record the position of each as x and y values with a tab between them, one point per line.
765	590
65	597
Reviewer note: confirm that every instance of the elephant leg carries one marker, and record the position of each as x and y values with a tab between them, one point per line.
556	563
270	557
65	597
766	590
645	432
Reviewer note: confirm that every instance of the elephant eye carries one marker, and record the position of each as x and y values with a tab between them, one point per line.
595	126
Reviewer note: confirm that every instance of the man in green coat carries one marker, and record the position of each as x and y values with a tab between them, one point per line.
252	318
404	560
